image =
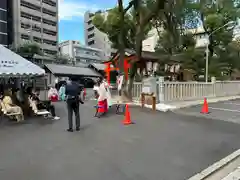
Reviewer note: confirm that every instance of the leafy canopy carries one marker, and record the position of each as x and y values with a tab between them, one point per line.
110	24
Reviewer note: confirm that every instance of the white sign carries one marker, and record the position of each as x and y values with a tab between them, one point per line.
120	82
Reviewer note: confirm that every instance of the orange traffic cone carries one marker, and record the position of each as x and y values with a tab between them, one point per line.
127	119
205	107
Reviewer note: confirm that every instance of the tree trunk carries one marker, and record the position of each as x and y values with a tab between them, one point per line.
141	21
121	46
138	49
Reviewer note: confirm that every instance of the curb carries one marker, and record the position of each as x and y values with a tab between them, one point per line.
191	103
216	166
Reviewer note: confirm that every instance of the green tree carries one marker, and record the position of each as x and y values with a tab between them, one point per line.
120	26
174	42
28	50
62	59
214	15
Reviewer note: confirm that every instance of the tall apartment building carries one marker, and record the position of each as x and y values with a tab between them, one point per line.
36	20
79	53
3	23
95	38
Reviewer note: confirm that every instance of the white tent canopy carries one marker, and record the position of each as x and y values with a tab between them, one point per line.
11	64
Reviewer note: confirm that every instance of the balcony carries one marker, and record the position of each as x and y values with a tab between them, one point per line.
30	33
46	16
49	47
35	2
49	27
87	56
51	8
49	37
30	11
28	21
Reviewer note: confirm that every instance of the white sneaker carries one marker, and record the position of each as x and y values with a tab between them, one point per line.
56	118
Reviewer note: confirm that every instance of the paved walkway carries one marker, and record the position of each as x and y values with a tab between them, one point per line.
235	175
164	146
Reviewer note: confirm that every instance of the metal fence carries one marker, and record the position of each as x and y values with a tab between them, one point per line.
180	91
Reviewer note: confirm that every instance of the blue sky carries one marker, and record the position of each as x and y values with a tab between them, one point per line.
71	14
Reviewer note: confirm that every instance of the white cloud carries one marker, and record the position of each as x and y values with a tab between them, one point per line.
69	9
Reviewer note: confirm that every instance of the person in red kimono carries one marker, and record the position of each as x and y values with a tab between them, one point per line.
102	98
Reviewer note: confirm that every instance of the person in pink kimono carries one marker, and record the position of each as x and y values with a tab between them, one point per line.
53	94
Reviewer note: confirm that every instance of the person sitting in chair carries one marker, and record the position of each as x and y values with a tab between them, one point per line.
39	105
10	107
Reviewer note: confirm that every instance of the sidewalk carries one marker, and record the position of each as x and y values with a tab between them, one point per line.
235	175
164	107
227	168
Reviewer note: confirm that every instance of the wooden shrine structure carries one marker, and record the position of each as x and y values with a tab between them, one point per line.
130	57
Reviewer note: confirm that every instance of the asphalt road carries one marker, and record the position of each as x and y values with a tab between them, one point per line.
159	146
226	111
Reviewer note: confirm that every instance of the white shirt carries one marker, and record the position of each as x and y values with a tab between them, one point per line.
102	92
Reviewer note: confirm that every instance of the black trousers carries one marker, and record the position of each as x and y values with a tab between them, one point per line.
48	106
73	106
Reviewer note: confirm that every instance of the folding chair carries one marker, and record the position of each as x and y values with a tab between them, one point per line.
42	112
4	111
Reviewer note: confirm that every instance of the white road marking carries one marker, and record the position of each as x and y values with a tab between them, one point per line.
223	109
237	104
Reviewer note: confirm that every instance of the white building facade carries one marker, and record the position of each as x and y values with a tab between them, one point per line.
150	43
37	21
95	38
79	53
199	34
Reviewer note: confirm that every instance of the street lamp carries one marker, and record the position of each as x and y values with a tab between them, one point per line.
207	49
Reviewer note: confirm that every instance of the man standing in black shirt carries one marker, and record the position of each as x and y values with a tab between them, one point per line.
73	91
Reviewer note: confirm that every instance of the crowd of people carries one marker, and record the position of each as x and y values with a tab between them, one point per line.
18	101
21	102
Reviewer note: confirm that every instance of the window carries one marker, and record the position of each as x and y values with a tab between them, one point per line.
36	39
3	15
28	27
91	28
30	6
36	28
50	52
3	4
53	43
3	27
49	2
46	11
25	37
89	22
48	22
3	39
91	42
25	26
91	35
52	33
29	16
